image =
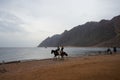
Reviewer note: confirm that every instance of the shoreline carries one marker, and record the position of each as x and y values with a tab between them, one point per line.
28	60
98	53
97	67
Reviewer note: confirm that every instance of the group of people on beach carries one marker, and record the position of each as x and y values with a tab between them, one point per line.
109	51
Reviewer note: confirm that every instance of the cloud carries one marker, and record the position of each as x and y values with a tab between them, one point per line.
10	22
15	32
28	22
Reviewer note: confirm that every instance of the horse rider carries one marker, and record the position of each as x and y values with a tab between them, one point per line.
61	50
58	49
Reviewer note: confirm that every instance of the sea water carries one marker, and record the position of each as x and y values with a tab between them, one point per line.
16	54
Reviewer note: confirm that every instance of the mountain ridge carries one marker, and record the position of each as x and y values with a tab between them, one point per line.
105	33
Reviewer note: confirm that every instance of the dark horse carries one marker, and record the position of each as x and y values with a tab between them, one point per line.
62	54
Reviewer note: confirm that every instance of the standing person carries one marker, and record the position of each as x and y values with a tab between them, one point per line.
109	51
114	49
62	49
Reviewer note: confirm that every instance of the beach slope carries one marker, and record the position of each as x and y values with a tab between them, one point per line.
101	67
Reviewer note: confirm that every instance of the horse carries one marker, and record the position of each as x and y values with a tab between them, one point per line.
62	53
56	53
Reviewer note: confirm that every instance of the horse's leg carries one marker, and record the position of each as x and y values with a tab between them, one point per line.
55	57
58	56
62	57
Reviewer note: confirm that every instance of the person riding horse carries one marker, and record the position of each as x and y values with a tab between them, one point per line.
59	53
61	49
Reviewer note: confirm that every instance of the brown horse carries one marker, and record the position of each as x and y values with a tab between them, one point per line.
62	53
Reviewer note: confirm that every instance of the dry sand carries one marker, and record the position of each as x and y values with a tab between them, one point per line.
101	67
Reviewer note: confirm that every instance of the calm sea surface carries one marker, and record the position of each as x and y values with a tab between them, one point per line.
15	54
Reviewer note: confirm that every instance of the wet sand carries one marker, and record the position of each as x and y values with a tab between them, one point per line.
100	67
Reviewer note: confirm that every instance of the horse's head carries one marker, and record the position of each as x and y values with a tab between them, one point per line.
52	51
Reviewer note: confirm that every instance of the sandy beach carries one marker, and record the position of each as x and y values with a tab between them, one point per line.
100	67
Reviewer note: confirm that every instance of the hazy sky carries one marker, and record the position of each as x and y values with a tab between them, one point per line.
25	23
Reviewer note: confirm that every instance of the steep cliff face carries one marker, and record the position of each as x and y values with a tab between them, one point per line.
50	41
116	40
101	33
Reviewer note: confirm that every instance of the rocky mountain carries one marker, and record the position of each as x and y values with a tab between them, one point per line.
50	41
105	33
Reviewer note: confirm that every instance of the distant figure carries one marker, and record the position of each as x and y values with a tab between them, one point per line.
114	49
109	51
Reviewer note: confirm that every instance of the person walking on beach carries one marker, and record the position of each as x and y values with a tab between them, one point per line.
109	51
114	49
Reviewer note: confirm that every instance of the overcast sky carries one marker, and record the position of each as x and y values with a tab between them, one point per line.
25	23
